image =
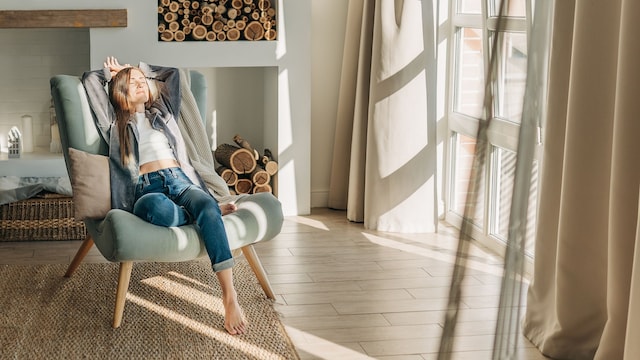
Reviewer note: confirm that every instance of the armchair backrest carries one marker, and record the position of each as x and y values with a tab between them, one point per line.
198	87
75	121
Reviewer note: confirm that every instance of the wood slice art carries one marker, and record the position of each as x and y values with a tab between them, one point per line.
179	35
235	19
199	32
236	4
217	26
207	19
170	17
174	26
264	4
270	34
254	31
166	35
233	34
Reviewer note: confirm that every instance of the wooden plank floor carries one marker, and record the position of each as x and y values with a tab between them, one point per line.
347	293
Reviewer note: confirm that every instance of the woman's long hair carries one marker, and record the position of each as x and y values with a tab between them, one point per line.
119	96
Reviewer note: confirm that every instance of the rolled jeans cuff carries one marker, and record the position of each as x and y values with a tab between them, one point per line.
223	265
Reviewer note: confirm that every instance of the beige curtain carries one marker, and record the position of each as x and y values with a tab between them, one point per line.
384	157
579	300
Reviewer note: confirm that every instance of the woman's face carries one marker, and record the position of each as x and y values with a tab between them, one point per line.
138	88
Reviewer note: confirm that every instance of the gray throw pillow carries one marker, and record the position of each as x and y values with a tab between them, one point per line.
90	184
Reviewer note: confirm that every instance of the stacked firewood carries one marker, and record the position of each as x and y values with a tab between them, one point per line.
216	20
244	169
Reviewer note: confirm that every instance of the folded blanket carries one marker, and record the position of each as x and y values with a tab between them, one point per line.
14	188
198	148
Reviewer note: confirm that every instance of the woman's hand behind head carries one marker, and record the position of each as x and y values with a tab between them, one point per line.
114	66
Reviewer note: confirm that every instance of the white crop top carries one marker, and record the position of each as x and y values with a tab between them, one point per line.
152	144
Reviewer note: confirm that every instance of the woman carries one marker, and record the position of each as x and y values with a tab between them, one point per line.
150	173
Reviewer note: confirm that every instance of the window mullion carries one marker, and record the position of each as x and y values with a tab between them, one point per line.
508	24
468	20
487	41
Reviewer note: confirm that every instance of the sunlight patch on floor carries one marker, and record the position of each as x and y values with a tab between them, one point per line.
309	222
214	333
437	255
322	348
186	293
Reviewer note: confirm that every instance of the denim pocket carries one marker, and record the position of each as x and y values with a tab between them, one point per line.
139	189
148	183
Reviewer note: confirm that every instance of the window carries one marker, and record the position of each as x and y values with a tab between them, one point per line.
511	75
474	29
469	89
464	147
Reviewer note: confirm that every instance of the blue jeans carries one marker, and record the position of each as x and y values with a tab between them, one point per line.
167	197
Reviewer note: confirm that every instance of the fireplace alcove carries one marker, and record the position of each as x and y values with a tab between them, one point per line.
260	90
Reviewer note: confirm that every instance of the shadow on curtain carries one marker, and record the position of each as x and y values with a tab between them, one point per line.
384	159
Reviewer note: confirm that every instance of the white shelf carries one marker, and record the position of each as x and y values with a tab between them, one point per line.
39	163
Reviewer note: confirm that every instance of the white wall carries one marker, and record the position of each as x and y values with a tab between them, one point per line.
328	24
236	105
27	60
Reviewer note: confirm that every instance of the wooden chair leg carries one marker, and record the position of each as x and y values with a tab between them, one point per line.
121	293
253	260
80	254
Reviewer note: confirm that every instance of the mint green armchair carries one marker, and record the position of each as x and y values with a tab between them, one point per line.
123	237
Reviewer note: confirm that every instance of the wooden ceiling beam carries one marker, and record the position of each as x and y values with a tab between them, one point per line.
10	19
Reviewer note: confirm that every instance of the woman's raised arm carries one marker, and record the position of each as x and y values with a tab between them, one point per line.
94	83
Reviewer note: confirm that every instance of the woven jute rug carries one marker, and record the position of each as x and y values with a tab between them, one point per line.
173	311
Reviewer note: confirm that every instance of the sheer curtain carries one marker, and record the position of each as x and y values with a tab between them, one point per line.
579	301
384	158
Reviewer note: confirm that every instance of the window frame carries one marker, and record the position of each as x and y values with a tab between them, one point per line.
502	133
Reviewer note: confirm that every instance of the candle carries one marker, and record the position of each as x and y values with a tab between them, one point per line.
55	146
27	133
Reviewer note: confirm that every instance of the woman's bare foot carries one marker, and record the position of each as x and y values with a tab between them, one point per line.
234	320
228	208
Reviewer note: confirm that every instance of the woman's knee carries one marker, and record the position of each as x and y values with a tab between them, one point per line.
199	201
158	209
